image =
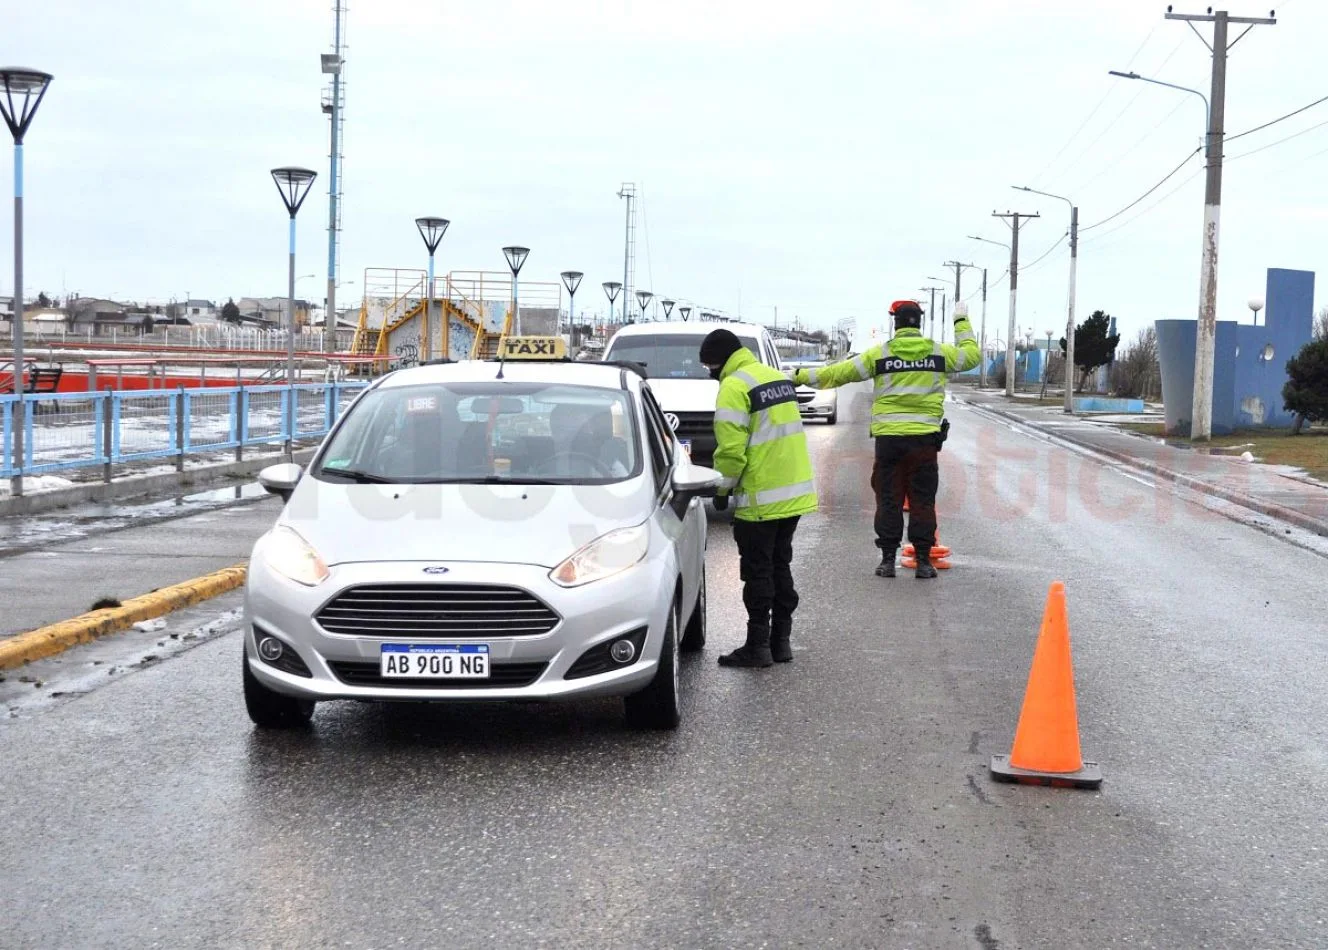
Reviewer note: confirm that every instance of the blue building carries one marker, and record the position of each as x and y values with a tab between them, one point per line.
1249	366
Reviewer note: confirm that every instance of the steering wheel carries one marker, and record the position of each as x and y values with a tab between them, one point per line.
601	469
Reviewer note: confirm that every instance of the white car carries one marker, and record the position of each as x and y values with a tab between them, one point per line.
670	353
815	403
483	531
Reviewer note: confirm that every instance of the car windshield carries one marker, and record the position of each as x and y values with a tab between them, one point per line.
485	432
669	355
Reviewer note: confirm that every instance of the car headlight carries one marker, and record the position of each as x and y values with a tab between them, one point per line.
607	555
293	557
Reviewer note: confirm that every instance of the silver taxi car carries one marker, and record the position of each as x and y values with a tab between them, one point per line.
515	530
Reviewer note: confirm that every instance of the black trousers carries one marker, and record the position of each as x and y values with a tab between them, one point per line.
906	464
765	556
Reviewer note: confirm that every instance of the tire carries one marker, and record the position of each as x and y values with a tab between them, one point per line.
269	709
694	637
656	706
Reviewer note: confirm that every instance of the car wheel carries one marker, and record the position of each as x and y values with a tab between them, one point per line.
833	417
656	706
269	709
694	637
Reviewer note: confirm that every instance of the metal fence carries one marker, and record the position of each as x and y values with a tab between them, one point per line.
69	431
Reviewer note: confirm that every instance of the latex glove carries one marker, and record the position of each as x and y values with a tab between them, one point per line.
721	502
961	311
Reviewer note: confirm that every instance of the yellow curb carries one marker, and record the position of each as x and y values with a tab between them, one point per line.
58	637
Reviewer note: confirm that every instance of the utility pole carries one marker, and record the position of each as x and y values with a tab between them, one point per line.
333	65
1201	423
628	191
1014	224
982	347
959	270
931	309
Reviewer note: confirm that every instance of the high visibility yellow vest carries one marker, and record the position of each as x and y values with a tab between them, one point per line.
761	449
910	374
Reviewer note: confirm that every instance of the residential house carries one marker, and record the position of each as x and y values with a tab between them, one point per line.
272	310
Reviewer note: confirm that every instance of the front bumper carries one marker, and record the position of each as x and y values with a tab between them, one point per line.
345	666
817	403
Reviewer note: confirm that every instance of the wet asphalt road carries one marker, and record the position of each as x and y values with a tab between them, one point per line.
839	802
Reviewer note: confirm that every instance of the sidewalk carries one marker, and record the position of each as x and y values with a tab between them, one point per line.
1276	491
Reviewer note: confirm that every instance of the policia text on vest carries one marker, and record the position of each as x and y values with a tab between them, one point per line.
761	451
908	422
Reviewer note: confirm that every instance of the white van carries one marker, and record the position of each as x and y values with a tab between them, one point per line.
681	384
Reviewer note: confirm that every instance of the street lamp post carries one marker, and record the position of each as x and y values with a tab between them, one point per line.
21	92
1074	264
293	185
1205	347
1046	369
668	308
571	280
686	313
431	231
611	289
643	298
982	373
1256	304
516	258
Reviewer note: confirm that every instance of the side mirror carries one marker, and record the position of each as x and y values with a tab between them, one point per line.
693	481
280	479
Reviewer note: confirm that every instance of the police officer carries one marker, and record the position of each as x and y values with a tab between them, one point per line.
761	451
908	423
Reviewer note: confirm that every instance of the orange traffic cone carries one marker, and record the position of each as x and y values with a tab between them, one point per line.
1046	742
938	550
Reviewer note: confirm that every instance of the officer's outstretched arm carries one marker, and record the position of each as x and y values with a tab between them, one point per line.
853	370
965	354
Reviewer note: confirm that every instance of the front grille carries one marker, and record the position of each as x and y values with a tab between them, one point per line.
695	422
467	611
501	676
805	397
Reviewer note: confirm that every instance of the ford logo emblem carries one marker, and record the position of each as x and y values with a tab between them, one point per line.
672	419
435	570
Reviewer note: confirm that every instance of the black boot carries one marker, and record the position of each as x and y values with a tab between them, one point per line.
887	566
755	653
781	650
924	571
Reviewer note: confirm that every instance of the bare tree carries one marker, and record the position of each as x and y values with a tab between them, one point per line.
1321	325
1136	374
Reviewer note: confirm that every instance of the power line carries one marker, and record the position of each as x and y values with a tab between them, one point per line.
1115	163
1160	201
1260	128
1261	148
1164	180
1045	254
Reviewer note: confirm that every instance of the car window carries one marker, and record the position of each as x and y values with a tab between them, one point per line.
660	437
492	431
669	355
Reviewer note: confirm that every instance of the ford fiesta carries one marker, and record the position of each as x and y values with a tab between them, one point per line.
483	531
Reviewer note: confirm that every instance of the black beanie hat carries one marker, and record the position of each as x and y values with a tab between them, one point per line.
907	314
718	346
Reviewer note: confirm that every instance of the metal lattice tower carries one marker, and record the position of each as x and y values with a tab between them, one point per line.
628	191
334	106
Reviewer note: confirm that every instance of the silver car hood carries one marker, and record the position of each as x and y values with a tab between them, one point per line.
518	524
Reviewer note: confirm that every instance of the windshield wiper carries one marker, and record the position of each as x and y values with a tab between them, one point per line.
355	475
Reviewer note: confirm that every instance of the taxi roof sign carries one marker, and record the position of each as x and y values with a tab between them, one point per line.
532	348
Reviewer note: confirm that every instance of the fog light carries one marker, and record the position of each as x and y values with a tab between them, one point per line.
270	649
622	651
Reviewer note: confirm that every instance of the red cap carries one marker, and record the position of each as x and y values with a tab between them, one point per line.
905	304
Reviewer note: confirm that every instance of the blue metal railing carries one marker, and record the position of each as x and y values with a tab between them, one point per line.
68	431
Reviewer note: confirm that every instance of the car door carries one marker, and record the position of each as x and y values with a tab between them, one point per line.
688	533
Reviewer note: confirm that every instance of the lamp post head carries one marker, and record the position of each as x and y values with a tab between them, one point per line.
293	184
643	297
611	288
1122	75
571	280
432	231
21	92
668	308
516	258
686	313
1256	304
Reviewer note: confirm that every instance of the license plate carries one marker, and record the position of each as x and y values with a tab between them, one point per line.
687	446
458	661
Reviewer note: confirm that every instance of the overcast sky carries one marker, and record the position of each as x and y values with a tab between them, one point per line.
824	158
